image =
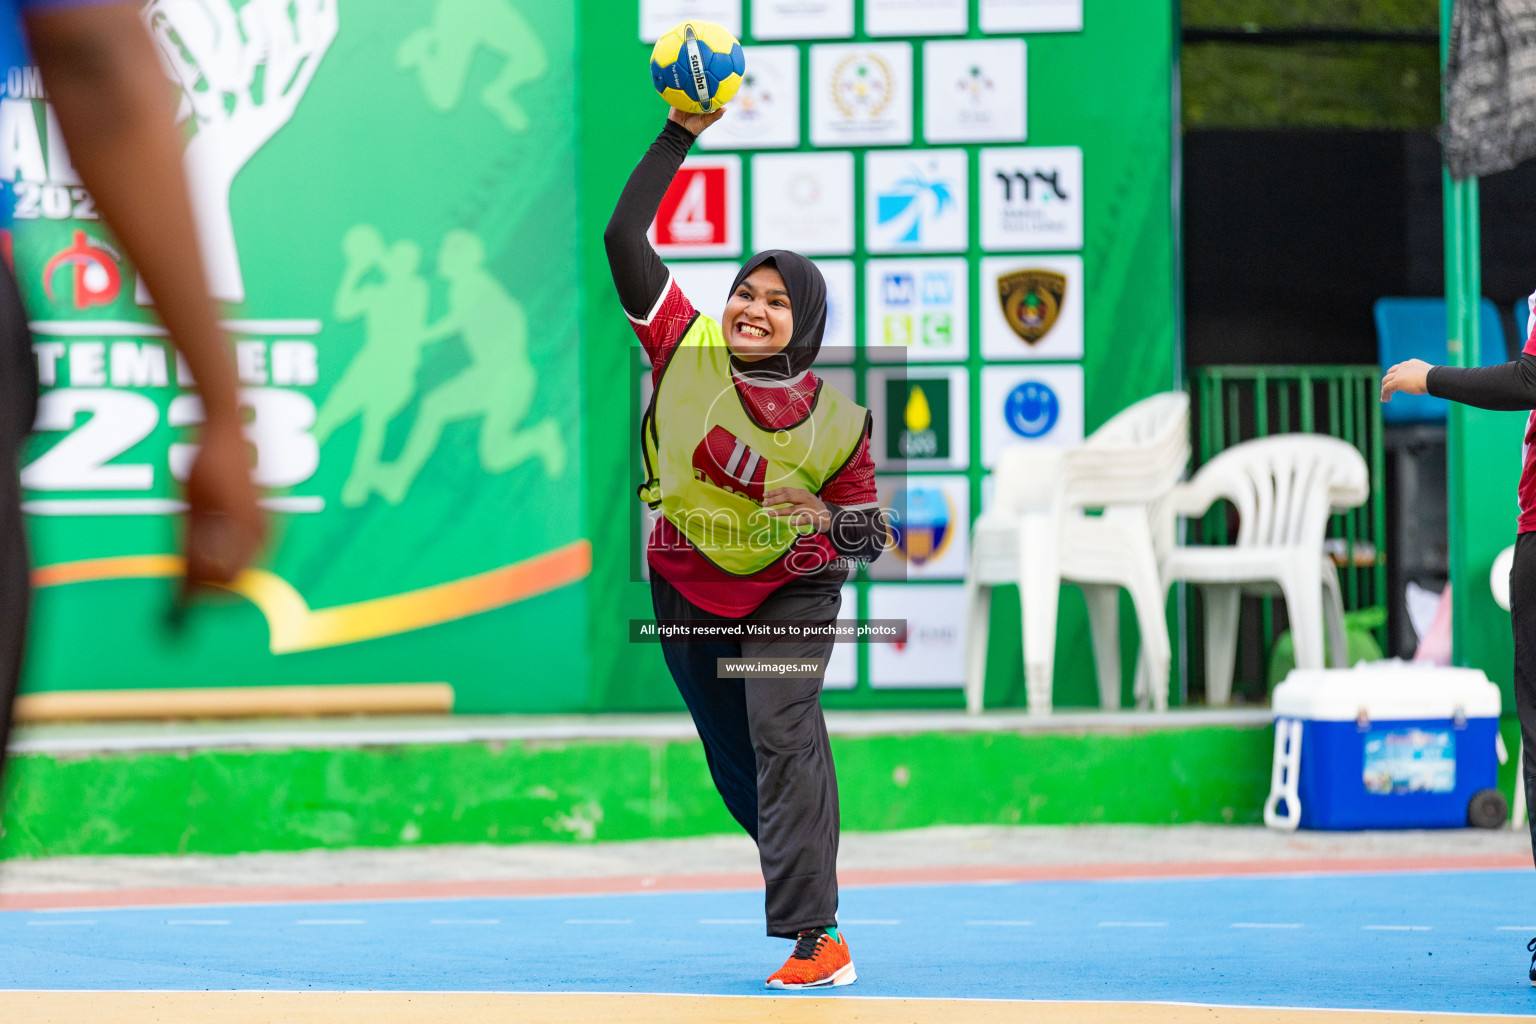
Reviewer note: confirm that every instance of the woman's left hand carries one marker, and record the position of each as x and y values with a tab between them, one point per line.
801	506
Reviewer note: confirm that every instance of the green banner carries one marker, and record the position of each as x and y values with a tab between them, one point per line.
384	200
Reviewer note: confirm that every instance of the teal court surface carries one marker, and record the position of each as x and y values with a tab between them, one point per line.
1297	941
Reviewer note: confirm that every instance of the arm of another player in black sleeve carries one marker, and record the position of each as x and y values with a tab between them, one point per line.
638	272
1505	387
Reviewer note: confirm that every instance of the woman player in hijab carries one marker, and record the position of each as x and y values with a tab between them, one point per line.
764	480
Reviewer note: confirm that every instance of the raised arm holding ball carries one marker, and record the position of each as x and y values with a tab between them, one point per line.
763	477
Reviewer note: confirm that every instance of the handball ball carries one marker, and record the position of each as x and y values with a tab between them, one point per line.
697	67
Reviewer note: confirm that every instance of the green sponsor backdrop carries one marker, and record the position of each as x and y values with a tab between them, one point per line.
404	206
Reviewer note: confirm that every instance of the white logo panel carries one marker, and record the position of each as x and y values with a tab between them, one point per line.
1030	405
803	202
936	427
843	662
802	19
706	284
934	653
917	309
861	94
1032	198
700	214
1031	15
974	91
765	113
1027	285
930	520
658	16
916	201
916	17
837	339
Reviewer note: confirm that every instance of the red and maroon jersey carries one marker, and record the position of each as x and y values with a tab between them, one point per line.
729	463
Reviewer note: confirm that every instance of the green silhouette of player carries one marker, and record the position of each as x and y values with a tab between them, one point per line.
442	53
498	384
382	286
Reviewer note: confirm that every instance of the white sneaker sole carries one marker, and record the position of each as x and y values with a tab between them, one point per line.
844	975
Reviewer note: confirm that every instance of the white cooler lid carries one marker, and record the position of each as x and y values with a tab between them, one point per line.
1386	690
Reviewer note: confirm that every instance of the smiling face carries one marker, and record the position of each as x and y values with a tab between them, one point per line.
758	321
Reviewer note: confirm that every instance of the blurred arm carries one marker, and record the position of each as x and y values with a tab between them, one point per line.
114	107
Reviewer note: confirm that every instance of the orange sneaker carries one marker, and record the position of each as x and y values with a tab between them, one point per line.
819	961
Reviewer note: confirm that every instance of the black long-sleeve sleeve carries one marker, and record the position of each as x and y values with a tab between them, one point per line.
638	273
857	533
1506	387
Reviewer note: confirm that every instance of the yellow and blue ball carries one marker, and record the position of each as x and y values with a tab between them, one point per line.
697	67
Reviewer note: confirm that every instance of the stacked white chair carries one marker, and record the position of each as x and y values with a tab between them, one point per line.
1284	489
1037	533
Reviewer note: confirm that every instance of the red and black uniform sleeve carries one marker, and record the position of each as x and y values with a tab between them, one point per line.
858	528
638	273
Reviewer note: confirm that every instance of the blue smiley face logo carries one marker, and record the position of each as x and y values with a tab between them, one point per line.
1031	409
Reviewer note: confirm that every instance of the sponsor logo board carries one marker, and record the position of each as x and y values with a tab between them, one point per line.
930	527
765	113
700	214
1030	405
921	417
861	94
658	16
1031	198
917	309
974	91
1031	15
916	17
934	652
1032	307
837	340
803	202
916	201
843	661
802	19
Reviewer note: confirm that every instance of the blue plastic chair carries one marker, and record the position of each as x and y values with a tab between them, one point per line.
1522	316
1415	329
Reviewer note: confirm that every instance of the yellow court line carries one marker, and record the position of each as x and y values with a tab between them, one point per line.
294	626
573	1008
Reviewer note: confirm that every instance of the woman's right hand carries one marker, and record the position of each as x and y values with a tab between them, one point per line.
694	124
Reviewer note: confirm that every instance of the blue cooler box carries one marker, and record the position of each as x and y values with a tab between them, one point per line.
1382	746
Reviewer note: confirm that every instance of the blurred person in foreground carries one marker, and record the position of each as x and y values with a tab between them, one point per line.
115	108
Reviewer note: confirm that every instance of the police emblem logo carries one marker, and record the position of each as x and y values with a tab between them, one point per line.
1031	301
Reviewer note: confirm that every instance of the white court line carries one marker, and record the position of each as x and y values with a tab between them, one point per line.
1002	924
331	920
599	920
1516	928
1262	924
872	920
41	924
466	920
728	920
196	921
1133	924
1396	928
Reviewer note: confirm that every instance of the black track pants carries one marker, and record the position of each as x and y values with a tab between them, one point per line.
1522	614
766	743
18	404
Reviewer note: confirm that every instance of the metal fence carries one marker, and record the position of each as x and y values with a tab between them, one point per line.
1239	403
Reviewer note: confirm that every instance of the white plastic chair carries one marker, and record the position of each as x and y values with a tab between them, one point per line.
1284	488
1036	533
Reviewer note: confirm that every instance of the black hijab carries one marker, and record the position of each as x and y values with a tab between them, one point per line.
808	308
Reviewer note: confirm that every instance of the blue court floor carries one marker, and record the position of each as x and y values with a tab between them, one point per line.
1445	941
